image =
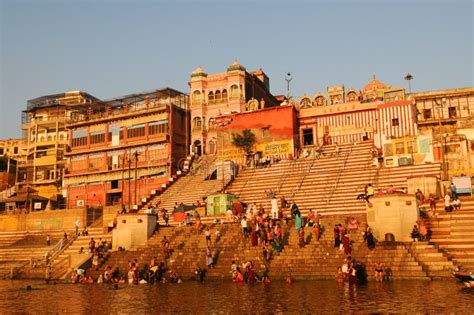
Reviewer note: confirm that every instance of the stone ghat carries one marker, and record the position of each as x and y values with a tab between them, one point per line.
318	259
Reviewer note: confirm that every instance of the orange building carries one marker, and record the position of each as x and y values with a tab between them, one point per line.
131	147
232	91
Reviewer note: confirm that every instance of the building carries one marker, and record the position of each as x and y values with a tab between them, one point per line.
12	151
119	154
378	112
275	131
446	117
44	127
232	91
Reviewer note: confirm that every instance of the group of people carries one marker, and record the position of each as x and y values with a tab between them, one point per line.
367	194
351	271
247	274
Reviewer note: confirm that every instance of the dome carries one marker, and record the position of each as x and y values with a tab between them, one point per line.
236	66
199	72
374	85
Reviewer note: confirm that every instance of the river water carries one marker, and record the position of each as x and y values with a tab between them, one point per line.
324	296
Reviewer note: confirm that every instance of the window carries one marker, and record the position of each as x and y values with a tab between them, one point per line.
97	137
212	147
136	131
234	92
224	95
96	161
1	151
266	132
218	96
308	136
387	148
211	123
196	97
114	184
79	137
400	148
452	112
158	127
395	122
427	114
411	146
211	97
15	150
197	122
121	133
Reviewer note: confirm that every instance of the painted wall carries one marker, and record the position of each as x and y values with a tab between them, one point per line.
133	230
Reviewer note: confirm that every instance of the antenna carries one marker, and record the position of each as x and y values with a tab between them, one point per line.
288	79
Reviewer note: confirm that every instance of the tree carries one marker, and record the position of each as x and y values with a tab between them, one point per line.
245	141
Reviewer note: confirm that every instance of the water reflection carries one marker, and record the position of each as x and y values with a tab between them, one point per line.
302	297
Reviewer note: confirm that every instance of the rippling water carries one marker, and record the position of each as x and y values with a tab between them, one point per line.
323	296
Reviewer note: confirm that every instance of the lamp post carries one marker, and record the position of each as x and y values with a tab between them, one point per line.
409	77
288	79
136	154
129	182
442	143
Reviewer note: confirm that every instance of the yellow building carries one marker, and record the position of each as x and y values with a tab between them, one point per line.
44	125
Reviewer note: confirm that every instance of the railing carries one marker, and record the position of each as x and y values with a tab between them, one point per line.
59	248
305	173
339	174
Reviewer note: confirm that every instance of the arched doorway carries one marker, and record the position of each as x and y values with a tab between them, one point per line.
197	148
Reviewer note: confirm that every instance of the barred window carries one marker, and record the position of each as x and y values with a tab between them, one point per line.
79	137
158	127
97	137
136	131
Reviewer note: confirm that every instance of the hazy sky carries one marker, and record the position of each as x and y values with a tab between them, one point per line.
112	48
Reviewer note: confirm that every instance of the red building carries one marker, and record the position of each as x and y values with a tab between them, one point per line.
129	148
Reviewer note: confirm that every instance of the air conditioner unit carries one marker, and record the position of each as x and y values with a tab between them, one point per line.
405	161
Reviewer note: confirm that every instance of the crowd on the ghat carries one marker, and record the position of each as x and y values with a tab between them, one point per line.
263	229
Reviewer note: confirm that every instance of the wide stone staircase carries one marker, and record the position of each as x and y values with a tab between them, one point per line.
329	184
453	233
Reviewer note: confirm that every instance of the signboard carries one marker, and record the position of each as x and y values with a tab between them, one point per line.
80	203
463	184
276	148
37	206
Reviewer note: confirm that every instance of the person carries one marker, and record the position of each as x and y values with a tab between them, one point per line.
254	237
369	238
423	231
95	260
447	203
298	220
415	234
346	243
353	225
316	231
283	202
92	245
77	224
432	202
124	211
244	225
370	192
199	273
379	271
274	209
301	237
208	237
391	190
209	258
166	217
456	203
239	277
452	189
165	243
337	239
48	240
420	197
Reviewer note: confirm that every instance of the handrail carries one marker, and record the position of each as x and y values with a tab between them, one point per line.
339	174
309	167
60	247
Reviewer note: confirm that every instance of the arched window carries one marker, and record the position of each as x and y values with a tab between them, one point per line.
305	102
197	123
211	123
210	97
351	96
197	97
320	101
61	137
218	96
234	92
224	95
50	138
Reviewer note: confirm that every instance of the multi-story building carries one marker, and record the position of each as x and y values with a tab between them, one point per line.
128	148
12	151
44	127
447	116
233	91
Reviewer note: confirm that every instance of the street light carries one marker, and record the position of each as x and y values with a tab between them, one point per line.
442	142
409	77
288	79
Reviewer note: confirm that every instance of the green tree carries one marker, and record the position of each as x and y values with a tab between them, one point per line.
245	141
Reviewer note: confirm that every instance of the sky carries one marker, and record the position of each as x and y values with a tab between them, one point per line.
113	48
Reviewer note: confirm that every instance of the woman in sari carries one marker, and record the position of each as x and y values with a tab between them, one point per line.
346	243
298	221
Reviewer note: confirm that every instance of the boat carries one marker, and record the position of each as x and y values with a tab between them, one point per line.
466	278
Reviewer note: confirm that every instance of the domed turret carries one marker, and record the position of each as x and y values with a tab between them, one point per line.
199	72
236	66
374	85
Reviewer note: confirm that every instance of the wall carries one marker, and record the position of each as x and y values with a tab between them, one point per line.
133	230
394	214
42	220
